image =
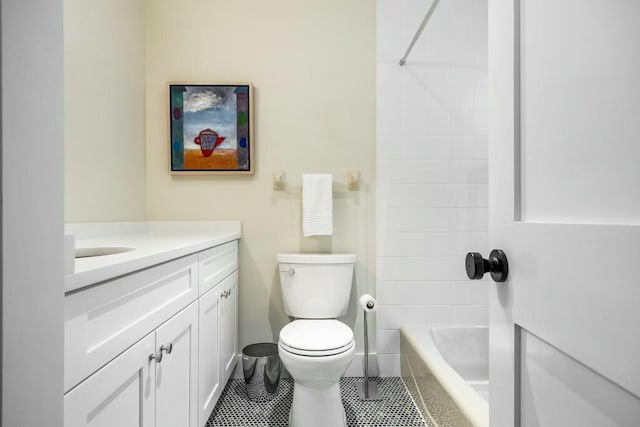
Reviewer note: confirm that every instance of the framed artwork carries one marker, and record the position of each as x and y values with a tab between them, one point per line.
211	128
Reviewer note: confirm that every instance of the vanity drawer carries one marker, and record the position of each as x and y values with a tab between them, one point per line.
217	263
104	320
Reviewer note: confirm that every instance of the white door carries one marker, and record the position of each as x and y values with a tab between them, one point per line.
208	360
565	207
177	370
228	325
120	394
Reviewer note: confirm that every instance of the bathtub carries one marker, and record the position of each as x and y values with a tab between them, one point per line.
446	370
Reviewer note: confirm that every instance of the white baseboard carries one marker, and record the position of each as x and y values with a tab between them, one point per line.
356	369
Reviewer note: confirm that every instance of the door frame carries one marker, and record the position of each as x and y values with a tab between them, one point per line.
32	300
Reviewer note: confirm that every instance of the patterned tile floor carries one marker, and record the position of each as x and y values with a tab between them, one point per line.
396	409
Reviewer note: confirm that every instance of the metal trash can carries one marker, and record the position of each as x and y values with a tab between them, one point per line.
262	368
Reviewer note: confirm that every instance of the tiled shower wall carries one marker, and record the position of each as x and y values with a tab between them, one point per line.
431	168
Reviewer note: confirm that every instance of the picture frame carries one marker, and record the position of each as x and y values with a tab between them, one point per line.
211	129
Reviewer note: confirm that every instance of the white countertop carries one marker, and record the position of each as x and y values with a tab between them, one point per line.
153	243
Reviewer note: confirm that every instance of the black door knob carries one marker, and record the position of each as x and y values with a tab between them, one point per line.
497	265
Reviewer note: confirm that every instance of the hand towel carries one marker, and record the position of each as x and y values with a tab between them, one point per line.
317	205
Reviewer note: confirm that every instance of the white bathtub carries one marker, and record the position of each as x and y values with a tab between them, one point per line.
447	372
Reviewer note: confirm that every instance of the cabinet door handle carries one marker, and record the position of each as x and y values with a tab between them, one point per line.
156	356
166	348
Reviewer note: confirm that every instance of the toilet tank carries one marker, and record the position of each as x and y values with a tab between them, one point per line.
316	286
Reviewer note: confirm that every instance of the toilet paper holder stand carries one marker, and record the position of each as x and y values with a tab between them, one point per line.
367	390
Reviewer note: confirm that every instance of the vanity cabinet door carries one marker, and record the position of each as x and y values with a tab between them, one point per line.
209	385
229	325
120	394
177	370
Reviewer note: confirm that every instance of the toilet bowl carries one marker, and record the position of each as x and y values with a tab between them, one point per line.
315	348
316	353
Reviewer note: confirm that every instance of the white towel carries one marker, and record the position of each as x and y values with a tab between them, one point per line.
317	205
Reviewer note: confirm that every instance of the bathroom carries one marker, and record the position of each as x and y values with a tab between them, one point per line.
499	137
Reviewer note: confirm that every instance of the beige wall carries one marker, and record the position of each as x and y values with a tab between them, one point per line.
313	66
104	110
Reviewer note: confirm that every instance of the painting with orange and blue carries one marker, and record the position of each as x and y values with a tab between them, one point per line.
211	128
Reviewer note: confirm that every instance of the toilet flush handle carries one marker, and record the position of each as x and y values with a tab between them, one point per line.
291	271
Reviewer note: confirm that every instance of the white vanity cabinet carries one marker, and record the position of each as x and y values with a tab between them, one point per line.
229	324
120	394
149	349
218	325
151	384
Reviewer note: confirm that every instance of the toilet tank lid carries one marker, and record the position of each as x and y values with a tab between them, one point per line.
316	258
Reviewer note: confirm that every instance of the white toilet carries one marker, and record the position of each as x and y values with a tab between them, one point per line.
315	348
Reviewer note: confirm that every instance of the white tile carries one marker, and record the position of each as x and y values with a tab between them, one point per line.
482	293
413	268
466	292
462	147
389	122
420	74
463	98
480	172
462	196
463	219
481	99
481	126
426	293
461	27
388	48
480	242
418	219
480	195
426	123
457	269
462	171
414	315
388	99
432	169
388	341
423	315
388	365
420	146
480	9
461	243
425	99
390	18
470	314
469	75
356	368
387	146
459	7
414	244
389	293
437	314
481	148
419	195
389	317
480	219
463	122
411	171
389	74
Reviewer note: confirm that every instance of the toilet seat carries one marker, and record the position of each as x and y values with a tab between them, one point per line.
316	353
316	337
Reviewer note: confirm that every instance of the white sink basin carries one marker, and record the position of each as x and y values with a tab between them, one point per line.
100	251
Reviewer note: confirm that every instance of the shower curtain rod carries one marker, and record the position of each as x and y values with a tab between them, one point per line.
420	29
